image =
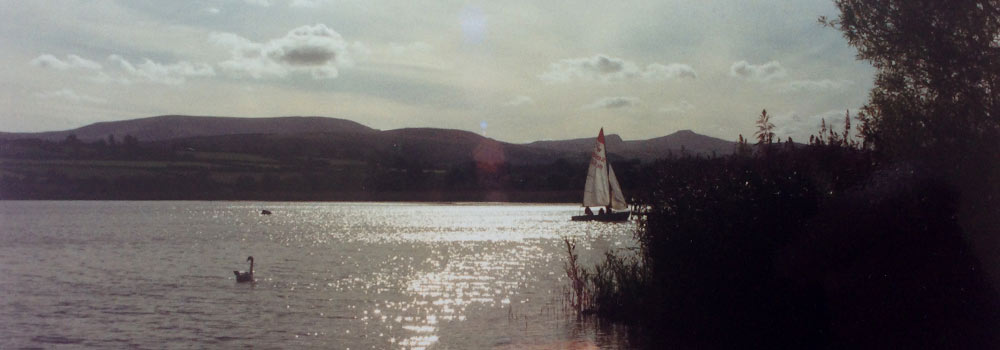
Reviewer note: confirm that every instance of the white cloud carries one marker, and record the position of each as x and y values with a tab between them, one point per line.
172	74
762	72
70	95
814	85
212	10
315	49
520	100
677	107
262	3
613	103
605	68
72	61
658	71
147	70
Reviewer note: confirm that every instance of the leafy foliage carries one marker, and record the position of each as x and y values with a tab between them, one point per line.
779	251
765	129
938	74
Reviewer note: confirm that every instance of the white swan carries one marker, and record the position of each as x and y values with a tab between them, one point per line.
245	276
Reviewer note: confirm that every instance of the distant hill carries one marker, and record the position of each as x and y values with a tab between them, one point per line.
331	138
613	142
168	127
684	141
312	158
425	147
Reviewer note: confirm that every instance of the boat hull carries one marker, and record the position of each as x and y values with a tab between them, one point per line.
607	217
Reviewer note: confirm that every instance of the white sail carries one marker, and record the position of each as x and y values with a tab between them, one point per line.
596	191
617	198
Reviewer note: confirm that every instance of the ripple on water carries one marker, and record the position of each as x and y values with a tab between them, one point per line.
357	275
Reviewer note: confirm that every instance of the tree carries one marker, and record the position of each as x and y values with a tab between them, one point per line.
936	97
765	129
742	148
847	130
71	140
937	85
821	138
832	138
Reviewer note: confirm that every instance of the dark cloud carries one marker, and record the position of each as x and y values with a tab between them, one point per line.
606	68
315	49
614	102
761	72
307	55
596	68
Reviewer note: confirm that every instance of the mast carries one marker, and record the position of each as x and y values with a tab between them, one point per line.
607	170
598	191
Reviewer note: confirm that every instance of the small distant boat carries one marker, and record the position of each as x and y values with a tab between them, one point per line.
602	189
245	276
265	212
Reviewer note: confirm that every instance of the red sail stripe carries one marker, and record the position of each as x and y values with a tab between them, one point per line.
600	136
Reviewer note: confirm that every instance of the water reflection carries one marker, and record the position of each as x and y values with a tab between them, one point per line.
344	275
454	273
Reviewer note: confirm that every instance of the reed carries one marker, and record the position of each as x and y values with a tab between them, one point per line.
580	296
809	248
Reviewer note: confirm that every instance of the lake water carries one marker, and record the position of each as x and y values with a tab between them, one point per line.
329	275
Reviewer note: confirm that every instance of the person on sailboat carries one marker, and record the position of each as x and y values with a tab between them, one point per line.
588	211
600	212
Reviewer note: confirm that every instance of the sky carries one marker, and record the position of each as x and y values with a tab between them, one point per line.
513	70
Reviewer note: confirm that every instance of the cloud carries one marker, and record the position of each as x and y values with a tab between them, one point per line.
814	85
71	62
606	68
599	67
677	107
613	103
520	100
315	49
762	72
171	74
212	10
68	94
147	70
658	71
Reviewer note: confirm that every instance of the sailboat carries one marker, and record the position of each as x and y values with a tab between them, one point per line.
602	188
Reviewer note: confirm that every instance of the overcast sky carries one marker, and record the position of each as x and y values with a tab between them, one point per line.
515	70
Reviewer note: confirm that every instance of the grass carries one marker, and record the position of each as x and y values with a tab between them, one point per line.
62	163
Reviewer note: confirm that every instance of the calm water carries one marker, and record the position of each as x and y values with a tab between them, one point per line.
329	275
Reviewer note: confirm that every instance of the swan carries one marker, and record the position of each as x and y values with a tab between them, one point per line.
245	276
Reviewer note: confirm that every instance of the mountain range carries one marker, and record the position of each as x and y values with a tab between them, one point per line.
341	138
